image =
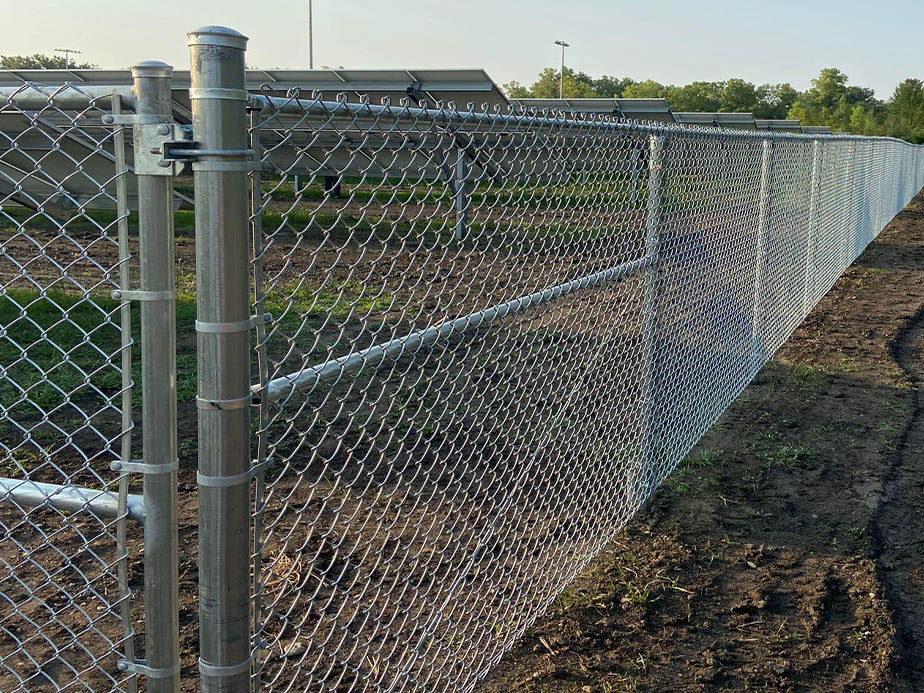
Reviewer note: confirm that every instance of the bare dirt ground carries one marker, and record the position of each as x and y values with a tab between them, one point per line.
784	554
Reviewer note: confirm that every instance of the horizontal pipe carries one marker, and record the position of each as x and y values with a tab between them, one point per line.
374	356
35	97
307	106
68	498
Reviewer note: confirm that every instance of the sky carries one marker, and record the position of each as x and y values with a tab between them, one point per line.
671	41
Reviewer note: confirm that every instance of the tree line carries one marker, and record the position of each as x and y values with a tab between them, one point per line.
830	100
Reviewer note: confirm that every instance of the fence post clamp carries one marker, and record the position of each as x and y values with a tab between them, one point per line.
182	150
139	667
153	135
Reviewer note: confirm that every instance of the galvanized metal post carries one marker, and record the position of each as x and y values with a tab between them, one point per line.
223	310
460	231
636	164
763	221
650	294
808	293
157	299
125	323
850	221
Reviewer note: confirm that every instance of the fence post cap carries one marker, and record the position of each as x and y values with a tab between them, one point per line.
152	68
214	35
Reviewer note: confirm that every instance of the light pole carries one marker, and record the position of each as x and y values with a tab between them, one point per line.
310	38
561	84
67	54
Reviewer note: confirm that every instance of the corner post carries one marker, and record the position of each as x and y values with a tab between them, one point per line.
157	306
218	97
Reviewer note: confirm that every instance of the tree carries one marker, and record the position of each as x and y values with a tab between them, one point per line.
695	96
548	83
649	89
515	90
611	87
738	96
775	100
38	61
831	102
905	111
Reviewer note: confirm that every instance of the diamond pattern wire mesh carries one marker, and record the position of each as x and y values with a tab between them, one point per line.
63	601
492	337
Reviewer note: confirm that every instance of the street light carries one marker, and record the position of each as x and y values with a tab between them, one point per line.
67	54
310	39
561	85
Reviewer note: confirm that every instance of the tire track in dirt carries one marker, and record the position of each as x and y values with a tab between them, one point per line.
897	526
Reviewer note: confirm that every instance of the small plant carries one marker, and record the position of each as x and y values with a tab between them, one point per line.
677	485
856	533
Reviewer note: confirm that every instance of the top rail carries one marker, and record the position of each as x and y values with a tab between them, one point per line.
68	96
294	105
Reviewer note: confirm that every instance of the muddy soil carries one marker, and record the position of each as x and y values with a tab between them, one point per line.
784	553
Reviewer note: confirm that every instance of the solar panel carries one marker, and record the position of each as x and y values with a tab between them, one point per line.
632	109
736	121
725	121
462	86
779	125
816	130
696	118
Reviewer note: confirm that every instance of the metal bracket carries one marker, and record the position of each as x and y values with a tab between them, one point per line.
134	119
140	295
224	404
234	479
189	150
227	327
216	671
153	136
140	667
141	467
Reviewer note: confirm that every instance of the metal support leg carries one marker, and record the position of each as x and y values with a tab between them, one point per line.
649	453
125	323
158	396
223	311
332	186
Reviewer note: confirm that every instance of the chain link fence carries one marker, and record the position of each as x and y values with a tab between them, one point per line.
493	336
65	395
454	352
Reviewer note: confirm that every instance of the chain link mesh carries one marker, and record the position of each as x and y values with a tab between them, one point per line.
493	336
65	397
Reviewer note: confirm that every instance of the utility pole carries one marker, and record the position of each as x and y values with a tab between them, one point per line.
310	38
67	55
561	84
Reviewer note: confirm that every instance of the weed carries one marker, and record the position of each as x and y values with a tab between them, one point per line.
856	533
677	485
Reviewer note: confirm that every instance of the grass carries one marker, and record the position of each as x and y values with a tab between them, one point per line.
59	349
295	304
